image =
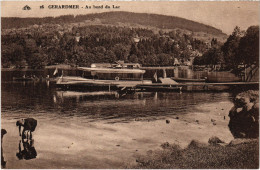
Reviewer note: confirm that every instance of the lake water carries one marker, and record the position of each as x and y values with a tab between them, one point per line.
64	111
43	100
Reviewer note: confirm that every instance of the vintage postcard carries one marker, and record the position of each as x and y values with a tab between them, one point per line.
133	84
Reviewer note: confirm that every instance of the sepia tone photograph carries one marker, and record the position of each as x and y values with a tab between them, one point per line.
130	85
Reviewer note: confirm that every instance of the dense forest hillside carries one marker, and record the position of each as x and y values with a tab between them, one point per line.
153	20
151	40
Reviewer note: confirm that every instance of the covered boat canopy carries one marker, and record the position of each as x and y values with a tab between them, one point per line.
111	70
59	66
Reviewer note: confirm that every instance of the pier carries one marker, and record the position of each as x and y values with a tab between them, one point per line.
198	86
218	84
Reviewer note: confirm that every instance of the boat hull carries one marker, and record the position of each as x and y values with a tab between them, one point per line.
82	84
87	87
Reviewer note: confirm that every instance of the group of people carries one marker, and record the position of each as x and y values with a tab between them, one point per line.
26	144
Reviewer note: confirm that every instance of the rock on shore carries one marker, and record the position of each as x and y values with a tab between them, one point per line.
244	116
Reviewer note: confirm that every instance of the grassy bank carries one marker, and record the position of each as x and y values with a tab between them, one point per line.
242	155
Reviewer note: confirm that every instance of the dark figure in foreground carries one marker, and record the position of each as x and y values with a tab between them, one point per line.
3	132
28	151
29	126
244	116
3	162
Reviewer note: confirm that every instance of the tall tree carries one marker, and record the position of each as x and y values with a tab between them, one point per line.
248	50
230	47
213	56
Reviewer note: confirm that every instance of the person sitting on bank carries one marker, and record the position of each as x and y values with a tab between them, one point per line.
29	126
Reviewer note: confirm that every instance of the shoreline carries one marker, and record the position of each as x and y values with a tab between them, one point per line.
68	67
104	145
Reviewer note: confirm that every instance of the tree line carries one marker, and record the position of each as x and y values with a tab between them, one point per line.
83	45
240	49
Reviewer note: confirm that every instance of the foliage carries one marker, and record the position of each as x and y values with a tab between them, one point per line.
230	47
240	48
248	49
213	56
83	45
202	156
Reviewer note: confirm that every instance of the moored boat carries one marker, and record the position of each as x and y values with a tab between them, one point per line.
105	76
77	83
69	94
123	77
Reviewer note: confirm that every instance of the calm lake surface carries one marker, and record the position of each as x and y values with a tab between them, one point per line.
44	102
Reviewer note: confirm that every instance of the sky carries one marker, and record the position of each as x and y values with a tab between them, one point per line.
219	14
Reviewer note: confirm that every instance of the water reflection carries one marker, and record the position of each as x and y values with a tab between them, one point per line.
62	96
48	102
28	152
155	96
76	94
107	105
3	162
48	83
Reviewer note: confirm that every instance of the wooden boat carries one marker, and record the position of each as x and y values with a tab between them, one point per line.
112	70
123	79
79	83
68	94
105	76
107	71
